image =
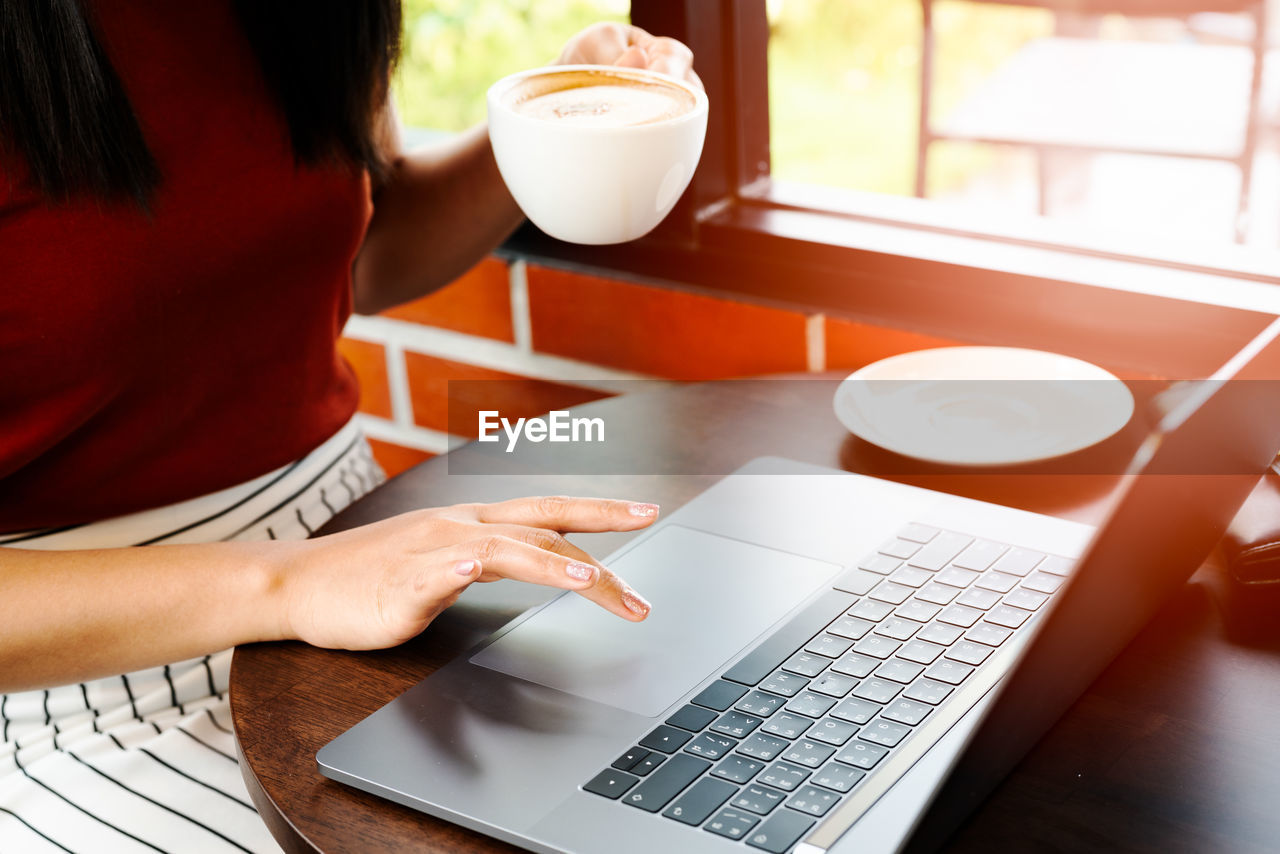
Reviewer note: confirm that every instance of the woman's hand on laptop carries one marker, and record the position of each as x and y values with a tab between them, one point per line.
382	584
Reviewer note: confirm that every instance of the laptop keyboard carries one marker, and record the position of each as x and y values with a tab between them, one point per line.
781	737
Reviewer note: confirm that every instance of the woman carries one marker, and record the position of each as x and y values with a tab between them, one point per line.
195	196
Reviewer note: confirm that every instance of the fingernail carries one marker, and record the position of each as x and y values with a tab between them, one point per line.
580	571
465	567
638	509
634	602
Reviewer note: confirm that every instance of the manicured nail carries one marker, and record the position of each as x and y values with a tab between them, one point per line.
642	509
465	567
634	602
580	571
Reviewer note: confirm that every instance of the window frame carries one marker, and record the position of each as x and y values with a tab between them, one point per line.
899	262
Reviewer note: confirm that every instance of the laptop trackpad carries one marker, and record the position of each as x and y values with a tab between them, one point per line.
711	597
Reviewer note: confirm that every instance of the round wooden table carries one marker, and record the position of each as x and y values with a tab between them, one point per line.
1172	749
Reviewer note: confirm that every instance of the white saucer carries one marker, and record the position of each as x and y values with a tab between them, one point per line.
983	406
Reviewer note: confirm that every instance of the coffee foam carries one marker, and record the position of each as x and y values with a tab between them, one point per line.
599	99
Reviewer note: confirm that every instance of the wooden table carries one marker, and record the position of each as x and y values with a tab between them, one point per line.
1174	748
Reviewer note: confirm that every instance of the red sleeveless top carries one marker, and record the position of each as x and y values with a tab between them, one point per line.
149	359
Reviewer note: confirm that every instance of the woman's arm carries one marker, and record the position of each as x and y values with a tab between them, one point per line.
443	209
68	616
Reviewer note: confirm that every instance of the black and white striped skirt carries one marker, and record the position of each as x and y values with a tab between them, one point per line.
146	761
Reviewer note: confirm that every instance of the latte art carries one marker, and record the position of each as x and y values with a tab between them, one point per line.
599	99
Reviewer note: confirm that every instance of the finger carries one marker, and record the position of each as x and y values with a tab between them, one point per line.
633	57
503	557
560	513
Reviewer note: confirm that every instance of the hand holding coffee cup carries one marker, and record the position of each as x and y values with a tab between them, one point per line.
598	153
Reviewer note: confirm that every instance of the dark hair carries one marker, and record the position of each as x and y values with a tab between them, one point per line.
63	110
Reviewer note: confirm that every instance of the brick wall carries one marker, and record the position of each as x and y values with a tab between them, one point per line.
570	338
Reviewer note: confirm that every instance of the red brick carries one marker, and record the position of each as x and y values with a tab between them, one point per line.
478	303
454	408
658	331
851	345
396	458
369	361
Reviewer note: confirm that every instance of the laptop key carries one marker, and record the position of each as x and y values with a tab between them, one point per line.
960	615
737	769
808	753
780	832
877	646
760	704
646	765
831	646
813	800
832	731
886	733
702	799
856	581
878	690
997	581
806	663
940	551
629	759
719	695
976	597
898	628
833	684
870	609
736	724
918	533
907	711
969	652
940	633
787	725
668	781
784	776
692	718
763	747
951	672
779	646
988	633
860	754
810	705
880	564
1043	582
1056	565
899	670
758	799
894	594
732	823
666	739
784	683
928	691
856	710
840	778
611	783
921	612
980	555
850	627
921	651
938	594
1018	561
899	548
710	746
1026	599
954	576
855	664
1007	615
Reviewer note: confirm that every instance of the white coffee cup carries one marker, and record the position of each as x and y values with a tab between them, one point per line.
595	183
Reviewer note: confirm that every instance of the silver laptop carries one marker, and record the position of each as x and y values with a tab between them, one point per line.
833	662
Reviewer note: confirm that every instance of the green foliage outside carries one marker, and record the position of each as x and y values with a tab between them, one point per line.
843	74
